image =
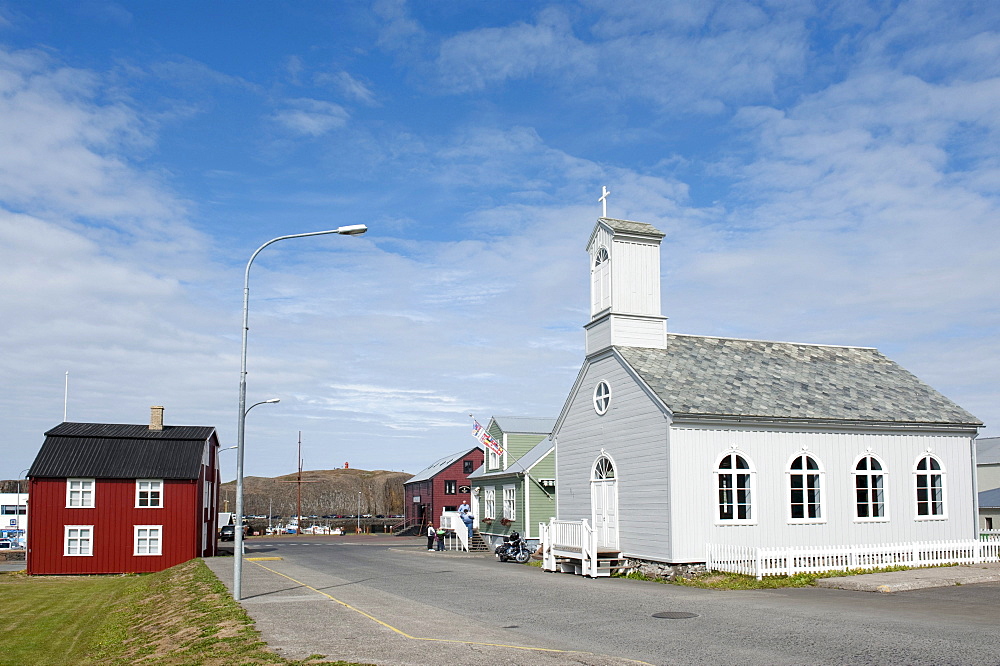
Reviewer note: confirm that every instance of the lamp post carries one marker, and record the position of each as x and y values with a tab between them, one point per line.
349	230
359	512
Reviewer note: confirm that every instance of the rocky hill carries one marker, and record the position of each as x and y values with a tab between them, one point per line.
324	492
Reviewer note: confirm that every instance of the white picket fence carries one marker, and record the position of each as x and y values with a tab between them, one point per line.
762	562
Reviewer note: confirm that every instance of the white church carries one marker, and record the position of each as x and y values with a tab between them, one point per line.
677	449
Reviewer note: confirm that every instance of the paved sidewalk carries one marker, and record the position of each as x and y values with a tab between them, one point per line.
916	579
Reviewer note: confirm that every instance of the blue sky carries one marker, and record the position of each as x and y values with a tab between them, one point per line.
825	172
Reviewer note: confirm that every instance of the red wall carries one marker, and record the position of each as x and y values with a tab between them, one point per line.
114	515
432	491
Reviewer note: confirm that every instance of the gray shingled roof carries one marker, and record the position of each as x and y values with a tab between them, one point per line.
988	451
121	451
629	226
709	376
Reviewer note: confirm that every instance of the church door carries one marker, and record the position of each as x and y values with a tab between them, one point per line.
604	503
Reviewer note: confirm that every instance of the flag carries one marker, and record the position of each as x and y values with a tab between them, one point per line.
485	438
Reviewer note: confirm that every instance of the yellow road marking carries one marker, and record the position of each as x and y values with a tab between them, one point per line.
421	638
261	559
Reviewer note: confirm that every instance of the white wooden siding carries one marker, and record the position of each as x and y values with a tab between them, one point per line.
635	282
695	449
634	434
639	332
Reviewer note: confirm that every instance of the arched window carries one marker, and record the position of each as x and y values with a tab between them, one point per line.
804	480
734	480
602	397
604	469
601	257
869	489
929	480
600	287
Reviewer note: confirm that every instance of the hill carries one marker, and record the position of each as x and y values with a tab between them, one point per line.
324	492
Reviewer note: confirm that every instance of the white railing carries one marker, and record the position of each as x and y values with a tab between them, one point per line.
453	520
568	539
762	562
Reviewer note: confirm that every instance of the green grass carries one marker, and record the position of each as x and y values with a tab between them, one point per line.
180	616
720	580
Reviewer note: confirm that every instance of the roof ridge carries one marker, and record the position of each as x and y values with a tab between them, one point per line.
775	342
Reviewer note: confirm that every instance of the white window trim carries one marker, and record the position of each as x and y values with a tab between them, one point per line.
752	471
490	502
89	539
159	540
510	503
159	490
88	490
821	473
602	403
885	492
944	488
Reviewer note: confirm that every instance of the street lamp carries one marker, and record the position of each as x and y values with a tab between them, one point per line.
349	230
359	512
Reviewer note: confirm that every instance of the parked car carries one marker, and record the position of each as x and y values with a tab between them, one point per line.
7	544
228	532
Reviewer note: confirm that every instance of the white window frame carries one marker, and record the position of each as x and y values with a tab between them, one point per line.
149	544
81	490
602	398
489	502
730	476
84	540
510	503
820	502
869	475
494	459
151	486
940	472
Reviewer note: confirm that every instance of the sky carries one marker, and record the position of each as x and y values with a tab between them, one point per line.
824	172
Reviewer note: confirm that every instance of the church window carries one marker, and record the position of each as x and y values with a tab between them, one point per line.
804	481
869	489
602	257
734	482
602	397
600	287
604	469
929	479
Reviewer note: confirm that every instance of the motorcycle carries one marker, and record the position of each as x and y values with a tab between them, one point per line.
514	548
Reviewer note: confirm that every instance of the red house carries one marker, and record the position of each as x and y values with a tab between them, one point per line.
111	498
443	486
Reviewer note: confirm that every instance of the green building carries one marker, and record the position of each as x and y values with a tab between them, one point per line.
515	490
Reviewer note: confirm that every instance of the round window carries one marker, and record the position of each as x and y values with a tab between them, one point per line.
602	397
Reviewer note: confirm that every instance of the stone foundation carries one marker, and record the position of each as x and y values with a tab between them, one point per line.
665	570
12	555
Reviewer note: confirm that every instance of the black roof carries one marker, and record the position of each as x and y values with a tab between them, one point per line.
120	451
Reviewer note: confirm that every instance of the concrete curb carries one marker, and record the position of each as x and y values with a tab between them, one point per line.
916	579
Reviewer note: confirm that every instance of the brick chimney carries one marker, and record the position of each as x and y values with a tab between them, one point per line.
156	418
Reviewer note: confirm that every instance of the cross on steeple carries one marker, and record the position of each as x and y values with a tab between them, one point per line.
604	199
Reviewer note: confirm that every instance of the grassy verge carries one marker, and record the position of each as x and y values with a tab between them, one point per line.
183	615
720	580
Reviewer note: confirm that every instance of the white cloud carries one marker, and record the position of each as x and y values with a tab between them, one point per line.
311	117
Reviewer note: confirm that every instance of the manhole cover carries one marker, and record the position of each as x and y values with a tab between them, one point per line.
674	615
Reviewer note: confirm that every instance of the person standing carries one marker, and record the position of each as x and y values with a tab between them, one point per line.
440	537
430	536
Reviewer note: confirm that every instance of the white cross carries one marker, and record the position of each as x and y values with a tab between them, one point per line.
604	199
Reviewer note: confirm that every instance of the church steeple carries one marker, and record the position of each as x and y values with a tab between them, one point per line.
625	286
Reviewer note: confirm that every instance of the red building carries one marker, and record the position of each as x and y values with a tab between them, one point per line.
443	486
111	498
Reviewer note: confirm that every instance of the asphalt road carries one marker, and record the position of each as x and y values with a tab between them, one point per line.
352	596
